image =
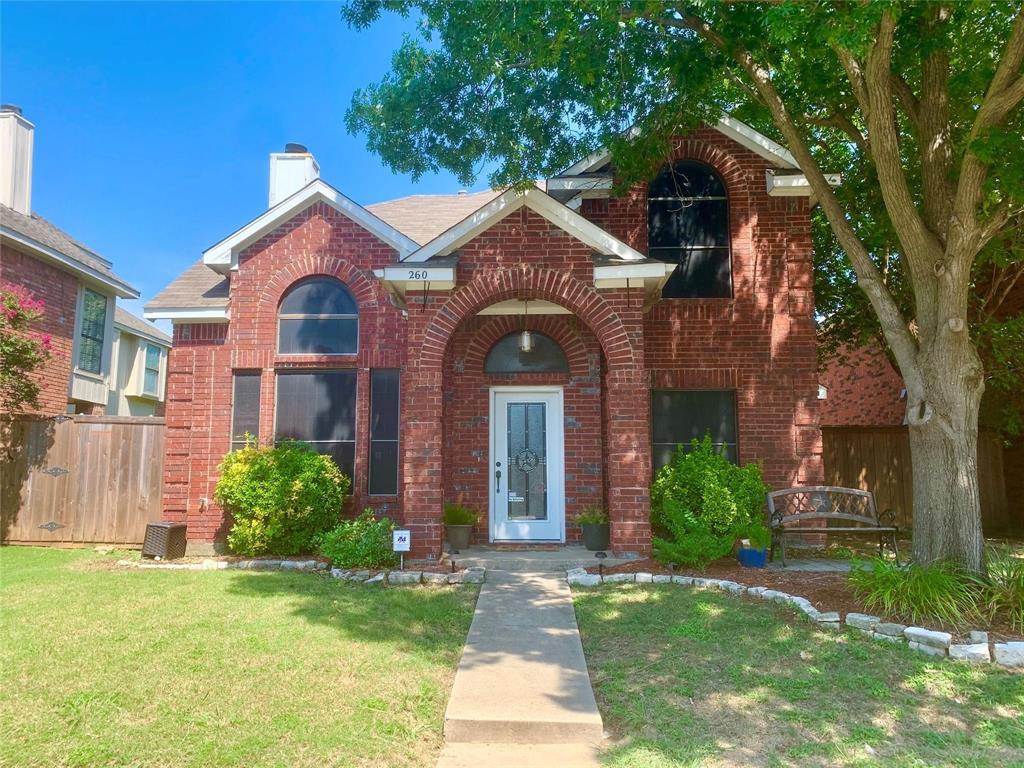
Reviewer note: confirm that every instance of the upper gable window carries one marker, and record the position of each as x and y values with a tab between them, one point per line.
688	225
318	316
545	357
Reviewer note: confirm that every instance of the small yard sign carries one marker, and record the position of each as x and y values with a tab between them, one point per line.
400	541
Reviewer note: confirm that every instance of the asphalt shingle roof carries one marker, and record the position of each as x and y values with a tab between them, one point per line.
134	323
41	231
198	287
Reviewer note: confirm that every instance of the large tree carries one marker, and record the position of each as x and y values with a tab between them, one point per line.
919	100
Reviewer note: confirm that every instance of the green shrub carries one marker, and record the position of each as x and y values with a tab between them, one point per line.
280	497
457	514
592	516
701	503
758	535
939	592
361	543
1003	591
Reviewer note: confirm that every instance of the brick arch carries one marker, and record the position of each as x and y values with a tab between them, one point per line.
717	158
529	283
554	326
362	288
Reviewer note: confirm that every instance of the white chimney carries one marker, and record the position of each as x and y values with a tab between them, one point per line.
15	159
290	171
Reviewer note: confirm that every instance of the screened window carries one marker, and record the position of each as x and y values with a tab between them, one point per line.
318	316
94	324
384	408
688	225
319	408
245	408
679	416
545	357
151	376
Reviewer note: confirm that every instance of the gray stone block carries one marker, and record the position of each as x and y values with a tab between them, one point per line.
576	572
977	652
585	580
473	576
456	577
432	577
377	578
894	639
687	580
890	629
828	617
339	573
619	578
930	650
644	578
266	565
928	637
862	621
1009	654
662	578
405	577
358	575
977	636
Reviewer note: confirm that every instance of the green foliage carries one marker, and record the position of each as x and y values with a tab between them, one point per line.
592	516
701	503
281	497
939	592
1002	592
22	350
361	543
758	535
459	514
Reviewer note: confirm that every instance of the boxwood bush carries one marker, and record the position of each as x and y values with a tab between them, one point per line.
281	498
361	543
701	504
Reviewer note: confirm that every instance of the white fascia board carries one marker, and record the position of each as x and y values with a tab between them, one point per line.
187	315
224	255
579	184
120	289
541	203
795	185
757	142
626	275
140	335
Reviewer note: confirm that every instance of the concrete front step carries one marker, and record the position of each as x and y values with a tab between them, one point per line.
523	678
519	756
537	561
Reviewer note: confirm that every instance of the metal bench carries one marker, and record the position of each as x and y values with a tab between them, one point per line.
791	509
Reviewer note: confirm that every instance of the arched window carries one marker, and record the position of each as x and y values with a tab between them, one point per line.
688	225
545	357
318	316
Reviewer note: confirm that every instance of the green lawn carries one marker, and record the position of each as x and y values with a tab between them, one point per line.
103	666
691	678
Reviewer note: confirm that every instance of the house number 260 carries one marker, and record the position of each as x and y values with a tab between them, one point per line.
417	274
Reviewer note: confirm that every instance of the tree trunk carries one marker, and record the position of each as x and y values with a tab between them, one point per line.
944	452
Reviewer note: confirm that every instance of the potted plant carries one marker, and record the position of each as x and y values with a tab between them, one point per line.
594	523
458	524
753	549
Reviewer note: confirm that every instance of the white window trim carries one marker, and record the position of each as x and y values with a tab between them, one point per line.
108	335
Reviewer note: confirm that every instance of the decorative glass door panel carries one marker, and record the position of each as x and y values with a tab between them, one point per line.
527	483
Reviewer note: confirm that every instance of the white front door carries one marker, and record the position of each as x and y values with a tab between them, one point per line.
527	465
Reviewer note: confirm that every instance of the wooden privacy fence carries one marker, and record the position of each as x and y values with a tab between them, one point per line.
877	459
80	479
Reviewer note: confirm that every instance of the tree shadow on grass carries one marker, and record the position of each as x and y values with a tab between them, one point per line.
691	677
417	619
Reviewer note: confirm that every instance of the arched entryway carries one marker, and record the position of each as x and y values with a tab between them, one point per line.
450	401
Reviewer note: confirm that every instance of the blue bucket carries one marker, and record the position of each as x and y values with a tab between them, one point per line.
752	558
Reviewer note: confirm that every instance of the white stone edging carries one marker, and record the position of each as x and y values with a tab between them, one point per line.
362	576
1008	654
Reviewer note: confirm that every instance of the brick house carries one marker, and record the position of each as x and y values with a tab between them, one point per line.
103	356
528	353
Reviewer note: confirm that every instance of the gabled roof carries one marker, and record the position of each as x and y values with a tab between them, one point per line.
45	240
424	217
198	293
139	327
224	255
512	200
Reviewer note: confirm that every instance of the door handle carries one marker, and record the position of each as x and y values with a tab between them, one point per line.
497	478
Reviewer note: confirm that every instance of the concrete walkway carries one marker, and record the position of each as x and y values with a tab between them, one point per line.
522	692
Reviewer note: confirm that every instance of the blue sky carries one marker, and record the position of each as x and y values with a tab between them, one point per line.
154	121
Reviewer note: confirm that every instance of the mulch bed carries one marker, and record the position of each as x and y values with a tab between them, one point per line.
827	591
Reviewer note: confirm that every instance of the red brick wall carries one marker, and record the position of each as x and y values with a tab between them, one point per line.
59	290
863	390
760	342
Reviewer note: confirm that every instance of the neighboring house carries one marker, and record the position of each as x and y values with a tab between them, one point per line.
77	285
530	354
859	387
139	367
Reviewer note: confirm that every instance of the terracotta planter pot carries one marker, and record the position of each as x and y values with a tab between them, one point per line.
458	536
596	536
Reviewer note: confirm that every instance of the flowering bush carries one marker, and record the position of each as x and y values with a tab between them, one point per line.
22	350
